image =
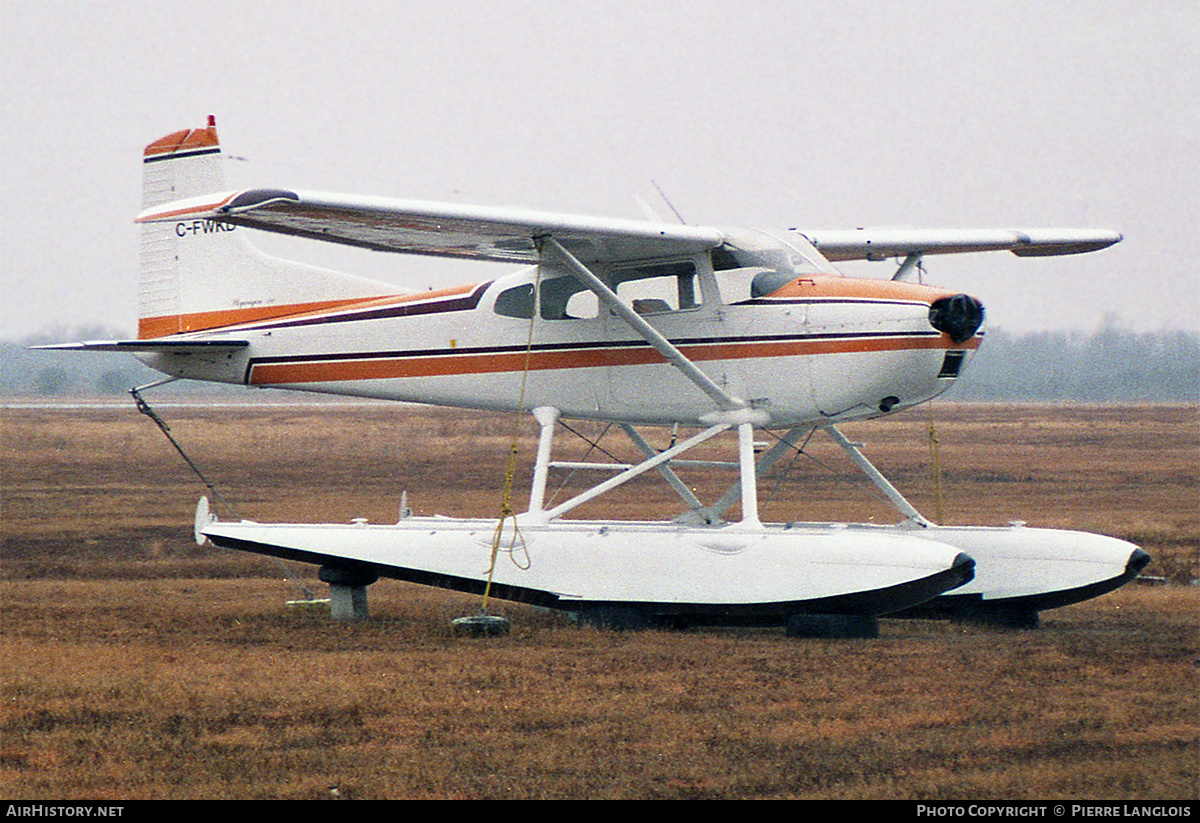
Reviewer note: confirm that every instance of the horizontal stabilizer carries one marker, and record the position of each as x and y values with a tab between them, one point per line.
161	346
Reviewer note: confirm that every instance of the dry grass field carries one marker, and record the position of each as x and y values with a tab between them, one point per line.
137	665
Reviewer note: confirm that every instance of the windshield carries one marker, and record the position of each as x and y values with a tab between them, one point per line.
752	248
753	263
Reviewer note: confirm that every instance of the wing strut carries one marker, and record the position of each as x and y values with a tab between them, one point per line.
664	347
913	261
731	411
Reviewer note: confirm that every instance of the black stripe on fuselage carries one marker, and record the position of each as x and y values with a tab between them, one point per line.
471	301
584	346
465	302
810	301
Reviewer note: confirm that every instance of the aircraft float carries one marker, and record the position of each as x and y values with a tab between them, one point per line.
640	323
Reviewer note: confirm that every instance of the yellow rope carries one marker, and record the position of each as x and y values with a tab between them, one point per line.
506	509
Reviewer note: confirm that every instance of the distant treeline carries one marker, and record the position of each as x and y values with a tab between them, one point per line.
1112	365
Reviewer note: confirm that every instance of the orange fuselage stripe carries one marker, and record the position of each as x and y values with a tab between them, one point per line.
162	326
386	368
151	327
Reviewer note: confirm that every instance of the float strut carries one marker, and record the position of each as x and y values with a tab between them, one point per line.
546	416
889	491
749	476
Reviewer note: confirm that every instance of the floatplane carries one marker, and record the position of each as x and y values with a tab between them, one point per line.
639	323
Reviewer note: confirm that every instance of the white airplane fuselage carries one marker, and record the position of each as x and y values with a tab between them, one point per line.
821	349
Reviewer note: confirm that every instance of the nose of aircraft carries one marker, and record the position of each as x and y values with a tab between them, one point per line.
959	316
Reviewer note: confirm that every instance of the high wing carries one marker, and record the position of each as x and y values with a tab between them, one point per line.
880	244
440	229
512	235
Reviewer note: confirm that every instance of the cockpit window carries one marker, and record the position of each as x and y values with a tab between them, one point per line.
565	298
562	298
647	289
515	302
657	288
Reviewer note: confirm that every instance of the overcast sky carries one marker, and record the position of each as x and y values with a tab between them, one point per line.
1030	113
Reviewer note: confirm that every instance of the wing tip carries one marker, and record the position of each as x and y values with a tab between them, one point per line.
1060	243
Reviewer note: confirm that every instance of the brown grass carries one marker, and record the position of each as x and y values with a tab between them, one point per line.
138	666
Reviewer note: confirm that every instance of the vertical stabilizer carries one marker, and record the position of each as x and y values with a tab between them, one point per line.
200	274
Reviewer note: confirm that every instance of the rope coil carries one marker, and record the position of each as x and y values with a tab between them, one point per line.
506	509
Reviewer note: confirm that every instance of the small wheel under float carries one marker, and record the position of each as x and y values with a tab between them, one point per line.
613	618
833	626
